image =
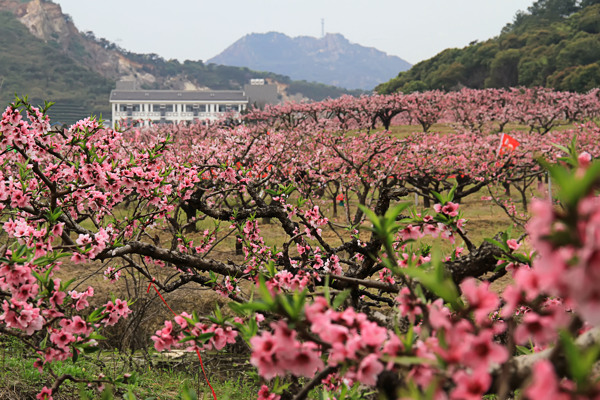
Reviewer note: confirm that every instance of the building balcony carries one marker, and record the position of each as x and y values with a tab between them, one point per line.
171	116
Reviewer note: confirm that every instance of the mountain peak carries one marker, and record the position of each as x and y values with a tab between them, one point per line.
331	59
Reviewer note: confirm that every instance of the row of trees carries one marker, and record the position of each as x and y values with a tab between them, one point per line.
468	109
339	304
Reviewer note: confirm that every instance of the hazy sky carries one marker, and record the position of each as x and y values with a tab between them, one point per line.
199	29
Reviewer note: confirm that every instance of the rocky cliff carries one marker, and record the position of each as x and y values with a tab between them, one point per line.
46	21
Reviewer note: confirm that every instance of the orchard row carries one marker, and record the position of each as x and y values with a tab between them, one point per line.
474	110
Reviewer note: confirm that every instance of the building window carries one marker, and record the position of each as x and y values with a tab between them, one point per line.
136	108
195	108
122	107
162	108
228	107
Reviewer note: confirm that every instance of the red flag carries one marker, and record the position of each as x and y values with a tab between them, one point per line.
507	143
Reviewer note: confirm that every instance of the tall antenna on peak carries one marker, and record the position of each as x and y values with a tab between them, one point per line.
322	27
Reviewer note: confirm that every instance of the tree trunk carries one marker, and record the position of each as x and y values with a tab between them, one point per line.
239	248
426	202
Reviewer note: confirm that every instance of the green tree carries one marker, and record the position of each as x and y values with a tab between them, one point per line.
583	50
504	70
590	19
579	78
449	77
531	71
415	86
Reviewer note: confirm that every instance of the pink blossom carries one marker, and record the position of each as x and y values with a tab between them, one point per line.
450	209
76	326
369	369
513	244
471	386
373	334
181	319
409	307
482	300
304	361
39	365
57	229
439	315
26	291
392	348
334	333
535	327
431	229
122	308
483	351
163	339
22	316
265	394
584	159
62	339
263	348
545	384
45	394
512	298
77	258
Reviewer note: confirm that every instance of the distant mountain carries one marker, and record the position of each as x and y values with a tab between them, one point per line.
43	55
331	60
555	43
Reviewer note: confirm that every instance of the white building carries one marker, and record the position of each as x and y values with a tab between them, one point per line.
174	106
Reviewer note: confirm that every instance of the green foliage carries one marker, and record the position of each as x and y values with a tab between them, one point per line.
590	20
504	69
573	184
385	226
431	275
584	49
289	305
579	78
437	281
556	43
319	91
580	362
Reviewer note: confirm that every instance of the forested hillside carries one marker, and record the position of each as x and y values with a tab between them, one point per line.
555	43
